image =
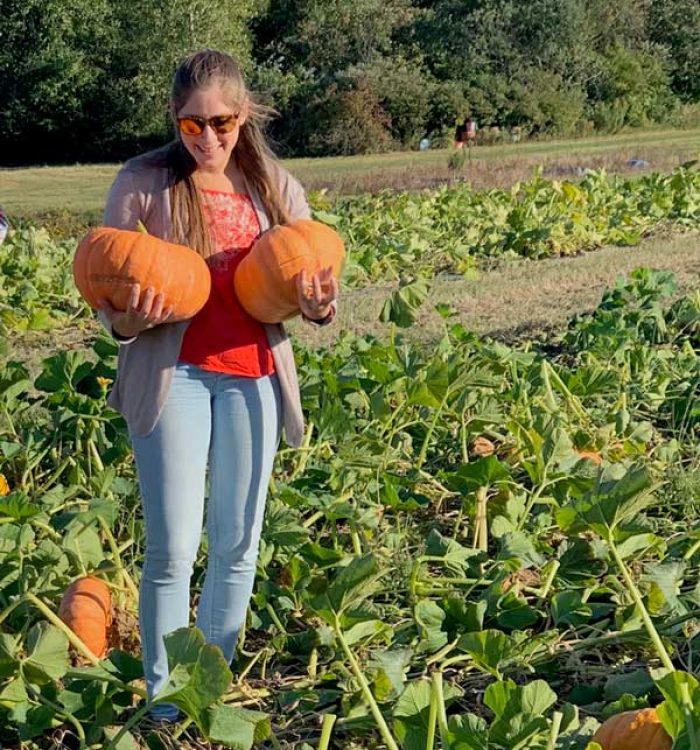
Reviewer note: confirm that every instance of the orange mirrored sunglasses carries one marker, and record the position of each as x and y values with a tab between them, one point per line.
195	125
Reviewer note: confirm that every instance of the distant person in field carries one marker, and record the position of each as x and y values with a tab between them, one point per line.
4	225
205	400
465	133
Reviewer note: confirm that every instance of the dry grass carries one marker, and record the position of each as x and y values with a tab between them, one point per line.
485	173
519	300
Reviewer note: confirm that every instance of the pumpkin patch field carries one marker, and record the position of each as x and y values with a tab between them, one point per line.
478	546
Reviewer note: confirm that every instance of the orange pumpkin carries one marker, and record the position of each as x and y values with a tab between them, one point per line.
265	280
108	262
86	607
633	730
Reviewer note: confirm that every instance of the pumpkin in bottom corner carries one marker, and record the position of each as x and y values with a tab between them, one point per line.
633	730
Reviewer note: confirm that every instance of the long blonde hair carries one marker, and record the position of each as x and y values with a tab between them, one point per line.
253	156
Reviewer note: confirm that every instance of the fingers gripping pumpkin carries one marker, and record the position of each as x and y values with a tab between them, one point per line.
86	607
633	730
108	262
265	279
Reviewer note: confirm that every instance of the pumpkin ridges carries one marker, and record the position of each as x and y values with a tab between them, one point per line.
109	261
265	280
289	268
125	268
80	269
86	608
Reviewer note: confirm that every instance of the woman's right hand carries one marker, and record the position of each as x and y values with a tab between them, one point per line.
142	312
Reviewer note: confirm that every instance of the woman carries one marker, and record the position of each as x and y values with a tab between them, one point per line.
214	390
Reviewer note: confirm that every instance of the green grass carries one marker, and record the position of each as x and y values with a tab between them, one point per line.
82	189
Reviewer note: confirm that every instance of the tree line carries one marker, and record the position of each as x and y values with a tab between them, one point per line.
88	80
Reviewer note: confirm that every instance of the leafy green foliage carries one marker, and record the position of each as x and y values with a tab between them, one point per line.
361	76
370	579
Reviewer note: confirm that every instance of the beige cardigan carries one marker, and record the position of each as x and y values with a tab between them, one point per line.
146	363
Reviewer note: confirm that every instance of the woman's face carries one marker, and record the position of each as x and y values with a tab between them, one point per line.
211	149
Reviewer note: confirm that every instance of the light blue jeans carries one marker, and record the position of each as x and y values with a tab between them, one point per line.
233	424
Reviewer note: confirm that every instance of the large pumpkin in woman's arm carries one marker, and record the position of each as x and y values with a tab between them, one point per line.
108	262
265	280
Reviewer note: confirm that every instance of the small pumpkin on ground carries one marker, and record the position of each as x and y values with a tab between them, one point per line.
482	447
589	455
4	486
265	280
633	730
108	262
86	608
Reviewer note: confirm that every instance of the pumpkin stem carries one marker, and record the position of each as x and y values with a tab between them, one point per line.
644	613
355	668
134	719
141	227
326	730
554	733
439	693
686	700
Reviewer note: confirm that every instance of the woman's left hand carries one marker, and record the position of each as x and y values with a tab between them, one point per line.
316	294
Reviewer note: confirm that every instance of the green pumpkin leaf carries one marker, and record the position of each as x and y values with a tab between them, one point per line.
468	732
199	674
126	742
47	658
672	712
488	648
235	727
412	712
15	700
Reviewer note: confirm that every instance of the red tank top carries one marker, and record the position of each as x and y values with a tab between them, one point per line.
222	337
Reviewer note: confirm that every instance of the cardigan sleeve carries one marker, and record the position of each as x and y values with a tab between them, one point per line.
295	196
123	209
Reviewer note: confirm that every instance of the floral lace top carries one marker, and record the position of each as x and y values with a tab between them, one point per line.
222	337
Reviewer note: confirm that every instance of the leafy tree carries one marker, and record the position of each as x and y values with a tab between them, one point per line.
329	36
138	77
404	91
543	101
348	119
90	79
675	24
634	85
50	54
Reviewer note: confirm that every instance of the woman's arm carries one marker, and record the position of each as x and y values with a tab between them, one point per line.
123	208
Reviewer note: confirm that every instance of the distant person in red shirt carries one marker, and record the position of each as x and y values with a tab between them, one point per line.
465	133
